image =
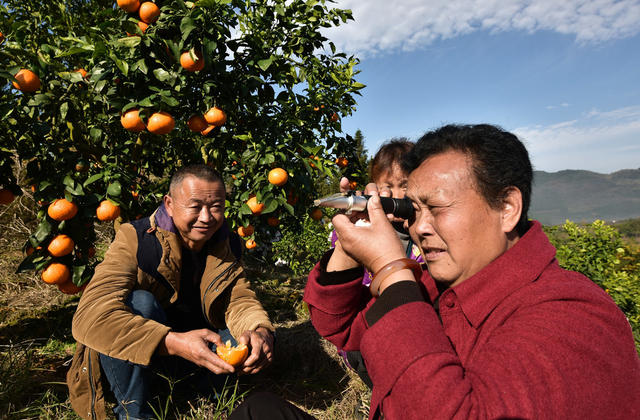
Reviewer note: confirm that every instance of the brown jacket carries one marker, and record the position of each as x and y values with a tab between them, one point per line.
104	324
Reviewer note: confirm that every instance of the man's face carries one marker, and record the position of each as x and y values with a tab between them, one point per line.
458	232
197	209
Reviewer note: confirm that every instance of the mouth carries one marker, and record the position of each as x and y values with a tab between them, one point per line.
432	253
202	228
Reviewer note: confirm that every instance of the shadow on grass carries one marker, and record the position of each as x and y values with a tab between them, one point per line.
303	371
53	322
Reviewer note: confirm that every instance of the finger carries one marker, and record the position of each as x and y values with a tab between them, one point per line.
370	188
344	184
245	338
212	337
342	224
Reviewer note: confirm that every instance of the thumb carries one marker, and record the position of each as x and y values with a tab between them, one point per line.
374	208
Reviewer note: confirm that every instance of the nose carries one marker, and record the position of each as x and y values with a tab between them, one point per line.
422	223
397	192
205	215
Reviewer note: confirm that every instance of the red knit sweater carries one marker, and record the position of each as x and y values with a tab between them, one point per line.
523	338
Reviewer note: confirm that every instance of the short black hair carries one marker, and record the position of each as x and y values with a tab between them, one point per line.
499	161
200	171
389	153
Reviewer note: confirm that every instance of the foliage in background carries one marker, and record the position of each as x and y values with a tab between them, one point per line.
598	251
283	86
302	247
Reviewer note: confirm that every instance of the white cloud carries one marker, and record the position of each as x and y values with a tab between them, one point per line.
603	141
381	25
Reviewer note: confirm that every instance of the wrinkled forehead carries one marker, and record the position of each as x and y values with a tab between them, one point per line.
192	186
392	175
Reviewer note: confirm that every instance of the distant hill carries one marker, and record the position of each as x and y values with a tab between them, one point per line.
583	196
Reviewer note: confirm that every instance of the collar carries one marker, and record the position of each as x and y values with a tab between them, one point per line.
518	266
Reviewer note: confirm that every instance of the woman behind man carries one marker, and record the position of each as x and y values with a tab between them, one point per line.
386	172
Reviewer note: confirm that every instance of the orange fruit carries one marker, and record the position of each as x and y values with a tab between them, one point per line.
27	81
160	123
216	116
149	12
34	188
82	72
196	123
342	162
29	250
316	214
292	199
1	37
316	108
189	64
235	355
131	121
334	117
135	194
60	246
250	244
207	130
143	26
245	231
56	273
62	209
107	211
69	288
129	6
81	166
273	221
278	177
256	208
353	185
6	196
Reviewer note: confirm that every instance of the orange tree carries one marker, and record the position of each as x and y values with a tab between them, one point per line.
278	86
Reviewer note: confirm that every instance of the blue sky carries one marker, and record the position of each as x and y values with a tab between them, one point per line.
565	78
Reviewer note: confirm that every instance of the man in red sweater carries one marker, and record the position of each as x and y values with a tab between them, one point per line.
494	328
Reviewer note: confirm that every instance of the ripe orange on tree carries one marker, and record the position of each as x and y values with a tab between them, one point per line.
160	123
81	166
61	245
197	123
189	64
149	12
334	117
234	355
56	273
316	214
278	177
69	288
129	6
256	208
143	26
250	244
273	221
107	211
62	209
82	72
215	116
1	37
245	231
26	81
353	185
6	196
131	121
342	162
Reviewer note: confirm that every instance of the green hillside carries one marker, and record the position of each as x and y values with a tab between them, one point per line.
584	196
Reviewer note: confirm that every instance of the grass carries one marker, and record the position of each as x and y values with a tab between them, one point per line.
36	345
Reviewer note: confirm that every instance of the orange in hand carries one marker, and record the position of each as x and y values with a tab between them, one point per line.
235	356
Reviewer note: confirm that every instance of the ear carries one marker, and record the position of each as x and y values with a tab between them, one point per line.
168	204
511	208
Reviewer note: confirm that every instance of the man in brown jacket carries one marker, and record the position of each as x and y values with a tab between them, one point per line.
170	285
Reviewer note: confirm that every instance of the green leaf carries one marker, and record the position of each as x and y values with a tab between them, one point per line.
64	108
129	41
44	230
161	74
72	186
265	64
186	26
93	178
